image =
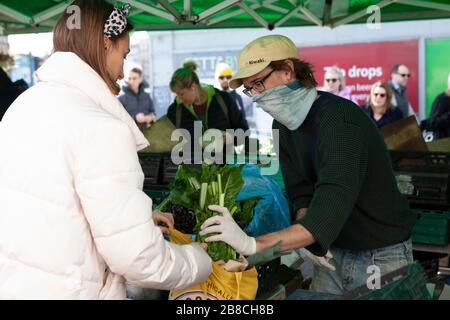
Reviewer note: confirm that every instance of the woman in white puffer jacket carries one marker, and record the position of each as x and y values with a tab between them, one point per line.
74	222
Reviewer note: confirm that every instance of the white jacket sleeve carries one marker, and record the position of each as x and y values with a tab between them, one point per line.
108	182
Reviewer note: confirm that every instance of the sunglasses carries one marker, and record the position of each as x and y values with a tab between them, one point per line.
405	75
225	77
331	80
382	95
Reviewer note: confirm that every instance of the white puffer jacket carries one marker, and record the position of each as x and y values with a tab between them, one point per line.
74	222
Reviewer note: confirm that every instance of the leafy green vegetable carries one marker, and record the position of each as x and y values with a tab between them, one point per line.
196	189
245	215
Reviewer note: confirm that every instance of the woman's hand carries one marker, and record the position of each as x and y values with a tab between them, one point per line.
163	220
141	118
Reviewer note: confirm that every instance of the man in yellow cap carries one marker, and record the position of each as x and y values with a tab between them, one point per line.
351	218
223	77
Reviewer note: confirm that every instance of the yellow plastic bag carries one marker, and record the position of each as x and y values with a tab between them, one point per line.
221	284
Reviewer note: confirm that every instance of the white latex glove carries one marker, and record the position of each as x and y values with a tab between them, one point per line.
320	261
228	231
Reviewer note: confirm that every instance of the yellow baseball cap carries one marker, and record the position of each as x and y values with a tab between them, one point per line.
223	69
226	72
259	53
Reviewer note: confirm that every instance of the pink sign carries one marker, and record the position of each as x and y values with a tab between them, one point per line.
366	63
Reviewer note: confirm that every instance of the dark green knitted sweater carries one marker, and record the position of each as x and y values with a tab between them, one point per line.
337	165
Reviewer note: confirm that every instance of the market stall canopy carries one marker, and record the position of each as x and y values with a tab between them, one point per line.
26	16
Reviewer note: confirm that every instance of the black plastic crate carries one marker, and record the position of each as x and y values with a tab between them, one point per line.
268	276
429	262
421	161
424	177
150	164
169	170
157	195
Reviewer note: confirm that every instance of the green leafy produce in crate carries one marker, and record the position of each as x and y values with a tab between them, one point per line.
194	189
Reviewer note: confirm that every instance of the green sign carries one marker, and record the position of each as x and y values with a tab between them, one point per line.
437	64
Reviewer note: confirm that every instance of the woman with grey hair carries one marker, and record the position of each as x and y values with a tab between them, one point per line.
334	82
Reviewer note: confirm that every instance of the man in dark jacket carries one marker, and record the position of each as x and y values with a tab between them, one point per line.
399	80
8	92
351	219
136	101
440	114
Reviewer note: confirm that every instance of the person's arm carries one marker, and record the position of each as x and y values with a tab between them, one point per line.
224	228
440	115
141	118
343	157
293	237
108	181
150	118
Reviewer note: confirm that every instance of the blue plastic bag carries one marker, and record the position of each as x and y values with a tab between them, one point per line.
272	211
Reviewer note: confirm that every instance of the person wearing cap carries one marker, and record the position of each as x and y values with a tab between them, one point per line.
223	76
349	212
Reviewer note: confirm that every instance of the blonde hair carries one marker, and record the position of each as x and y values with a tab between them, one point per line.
184	77
87	42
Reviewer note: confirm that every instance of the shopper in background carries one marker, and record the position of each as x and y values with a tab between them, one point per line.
334	82
400	75
213	108
223	77
137	101
74	221
9	92
440	114
379	107
337	170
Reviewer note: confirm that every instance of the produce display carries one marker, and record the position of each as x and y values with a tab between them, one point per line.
197	187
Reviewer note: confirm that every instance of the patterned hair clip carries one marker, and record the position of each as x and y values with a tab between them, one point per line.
117	21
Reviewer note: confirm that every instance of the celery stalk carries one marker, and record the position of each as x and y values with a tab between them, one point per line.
203	191
219	181
214	187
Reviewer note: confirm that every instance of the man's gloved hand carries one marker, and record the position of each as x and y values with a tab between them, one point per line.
228	231
320	261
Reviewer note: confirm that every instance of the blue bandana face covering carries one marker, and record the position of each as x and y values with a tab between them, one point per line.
289	103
